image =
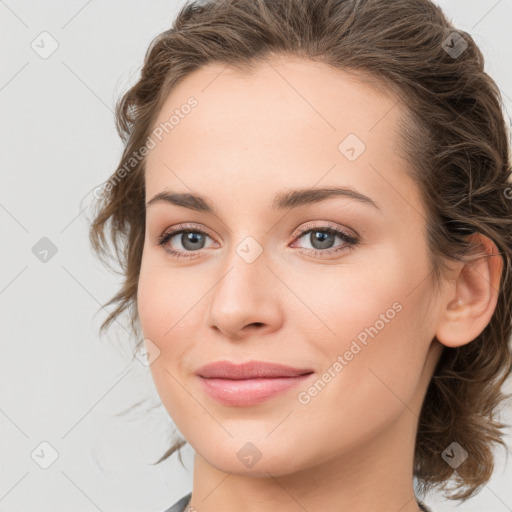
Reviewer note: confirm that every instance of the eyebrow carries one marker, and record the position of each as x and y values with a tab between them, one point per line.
282	201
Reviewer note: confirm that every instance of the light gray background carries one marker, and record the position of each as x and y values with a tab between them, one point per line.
60	382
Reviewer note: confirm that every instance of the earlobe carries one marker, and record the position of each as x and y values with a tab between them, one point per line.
471	299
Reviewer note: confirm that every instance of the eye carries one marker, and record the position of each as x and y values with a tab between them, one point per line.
322	240
191	240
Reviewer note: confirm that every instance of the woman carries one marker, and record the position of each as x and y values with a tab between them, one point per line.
312	213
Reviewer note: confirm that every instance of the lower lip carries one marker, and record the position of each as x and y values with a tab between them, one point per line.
249	391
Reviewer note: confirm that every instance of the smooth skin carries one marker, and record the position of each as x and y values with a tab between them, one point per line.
250	137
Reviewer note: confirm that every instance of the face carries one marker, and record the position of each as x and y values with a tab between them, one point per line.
331	284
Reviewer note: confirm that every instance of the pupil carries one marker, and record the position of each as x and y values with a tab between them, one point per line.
325	240
191	238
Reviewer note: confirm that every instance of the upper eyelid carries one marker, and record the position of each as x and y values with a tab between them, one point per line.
182	227
308	226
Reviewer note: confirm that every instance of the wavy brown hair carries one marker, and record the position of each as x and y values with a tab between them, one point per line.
455	140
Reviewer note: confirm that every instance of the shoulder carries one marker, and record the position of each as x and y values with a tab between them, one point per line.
180	505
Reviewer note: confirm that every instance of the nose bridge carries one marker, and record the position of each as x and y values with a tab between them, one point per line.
241	296
245	268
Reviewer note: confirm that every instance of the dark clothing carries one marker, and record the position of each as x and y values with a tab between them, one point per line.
180	505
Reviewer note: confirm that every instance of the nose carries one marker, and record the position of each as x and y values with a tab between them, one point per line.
246	299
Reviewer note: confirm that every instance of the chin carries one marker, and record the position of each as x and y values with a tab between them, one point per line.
258	459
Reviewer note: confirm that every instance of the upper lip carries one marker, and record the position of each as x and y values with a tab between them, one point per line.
249	370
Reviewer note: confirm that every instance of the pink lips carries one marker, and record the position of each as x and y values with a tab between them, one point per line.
249	383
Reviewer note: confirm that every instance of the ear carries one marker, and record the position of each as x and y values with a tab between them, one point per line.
471	299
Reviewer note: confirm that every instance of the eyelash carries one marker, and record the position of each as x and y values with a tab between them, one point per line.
350	241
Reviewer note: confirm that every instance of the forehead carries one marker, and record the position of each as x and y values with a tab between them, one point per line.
286	119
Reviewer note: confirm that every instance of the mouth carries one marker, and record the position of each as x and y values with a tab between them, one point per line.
249	383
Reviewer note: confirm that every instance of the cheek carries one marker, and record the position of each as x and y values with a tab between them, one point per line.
376	317
164	296
165	303
382	348
376	356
